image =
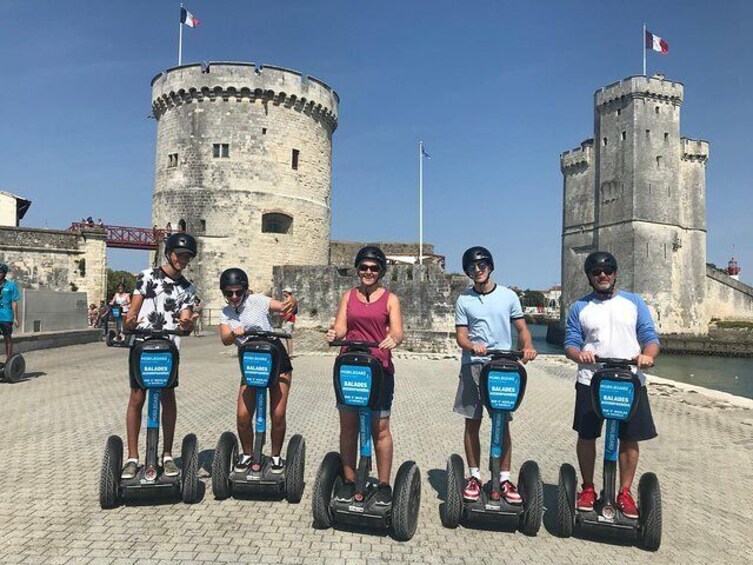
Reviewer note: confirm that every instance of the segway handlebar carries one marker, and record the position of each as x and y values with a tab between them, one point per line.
151	332
266	334
504	354
616	361
353	343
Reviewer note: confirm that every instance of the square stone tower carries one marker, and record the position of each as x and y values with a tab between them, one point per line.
638	190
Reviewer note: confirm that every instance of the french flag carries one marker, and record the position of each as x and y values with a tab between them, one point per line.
656	43
187	18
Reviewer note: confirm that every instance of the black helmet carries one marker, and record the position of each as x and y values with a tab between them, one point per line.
233	277
599	259
476	253
182	243
372	253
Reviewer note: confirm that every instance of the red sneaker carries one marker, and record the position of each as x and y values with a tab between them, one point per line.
472	489
510	493
626	504
586	498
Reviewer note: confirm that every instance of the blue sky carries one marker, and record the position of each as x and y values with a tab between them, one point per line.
495	89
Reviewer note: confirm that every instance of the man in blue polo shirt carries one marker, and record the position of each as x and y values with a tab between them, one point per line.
482	321
609	323
9	297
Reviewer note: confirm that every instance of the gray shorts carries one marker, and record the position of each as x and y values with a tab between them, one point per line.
468	398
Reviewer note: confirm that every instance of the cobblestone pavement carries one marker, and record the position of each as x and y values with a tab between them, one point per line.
56	422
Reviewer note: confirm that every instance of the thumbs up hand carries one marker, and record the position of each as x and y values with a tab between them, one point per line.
331	335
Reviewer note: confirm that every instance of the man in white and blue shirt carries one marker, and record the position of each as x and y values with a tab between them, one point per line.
609	323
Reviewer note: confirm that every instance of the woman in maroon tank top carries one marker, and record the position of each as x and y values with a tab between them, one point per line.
369	312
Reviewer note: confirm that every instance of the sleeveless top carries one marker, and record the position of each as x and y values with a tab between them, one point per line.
370	322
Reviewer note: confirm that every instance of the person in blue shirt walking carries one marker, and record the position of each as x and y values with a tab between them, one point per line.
482	321
609	323
9	297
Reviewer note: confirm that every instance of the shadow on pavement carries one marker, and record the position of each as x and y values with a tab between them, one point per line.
24	378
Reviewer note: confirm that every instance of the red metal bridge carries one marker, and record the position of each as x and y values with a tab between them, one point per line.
124	237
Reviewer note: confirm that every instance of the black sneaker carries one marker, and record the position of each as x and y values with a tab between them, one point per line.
346	492
383	495
244	462
279	466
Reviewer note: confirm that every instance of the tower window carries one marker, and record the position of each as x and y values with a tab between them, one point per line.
666	137
619	111
294	161
624	135
221	150
264	131
172	160
658	162
182	225
604	141
656	109
274	222
648	134
202	226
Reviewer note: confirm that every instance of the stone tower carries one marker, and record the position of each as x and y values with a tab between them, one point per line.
638	190
243	162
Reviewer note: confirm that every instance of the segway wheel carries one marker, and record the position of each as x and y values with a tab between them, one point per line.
649	511
326	478
406	501
566	501
225	454
189	480
109	475
15	367
453	506
295	463
110	339
532	492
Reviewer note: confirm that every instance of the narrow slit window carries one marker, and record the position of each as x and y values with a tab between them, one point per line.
658	161
203	226
294	160
656	110
624	135
648	134
604	141
264	131
666	137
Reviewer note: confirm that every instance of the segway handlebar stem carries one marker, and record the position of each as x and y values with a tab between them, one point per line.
155	333
505	354
353	343
616	362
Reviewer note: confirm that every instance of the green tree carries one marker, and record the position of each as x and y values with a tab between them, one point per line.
533	298
114	278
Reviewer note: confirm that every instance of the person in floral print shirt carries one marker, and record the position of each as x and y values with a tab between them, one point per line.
162	300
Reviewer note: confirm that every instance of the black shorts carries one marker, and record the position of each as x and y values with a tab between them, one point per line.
133	364
285	365
588	424
6	329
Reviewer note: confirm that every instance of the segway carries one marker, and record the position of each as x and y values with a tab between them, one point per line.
358	381
13	369
112	339
156	366
259	359
615	394
503	385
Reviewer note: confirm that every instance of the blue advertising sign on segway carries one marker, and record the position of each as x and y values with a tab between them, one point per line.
616	399
257	367
504	389
355	384
156	369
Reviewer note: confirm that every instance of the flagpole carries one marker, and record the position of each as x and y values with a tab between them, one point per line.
643	47
420	202
180	38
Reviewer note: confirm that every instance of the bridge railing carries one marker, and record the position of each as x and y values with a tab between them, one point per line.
125	237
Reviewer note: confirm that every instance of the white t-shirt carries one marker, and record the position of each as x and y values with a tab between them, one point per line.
122	299
164	300
252	314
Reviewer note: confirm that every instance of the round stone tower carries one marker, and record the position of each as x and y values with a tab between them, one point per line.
244	161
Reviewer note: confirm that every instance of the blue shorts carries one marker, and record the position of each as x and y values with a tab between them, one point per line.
384	407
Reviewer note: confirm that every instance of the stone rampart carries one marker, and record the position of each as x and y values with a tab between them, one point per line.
56	260
726	298
343	253
640	87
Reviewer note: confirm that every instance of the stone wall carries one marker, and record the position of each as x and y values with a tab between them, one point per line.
427	298
343	253
56	260
726	298
273	130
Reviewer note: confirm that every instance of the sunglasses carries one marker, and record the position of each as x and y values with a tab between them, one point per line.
480	266
597	272
369	268
230	293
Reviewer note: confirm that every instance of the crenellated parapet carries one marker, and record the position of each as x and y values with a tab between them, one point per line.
695	150
244	83
654	88
577	159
